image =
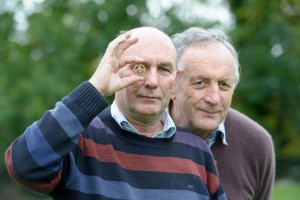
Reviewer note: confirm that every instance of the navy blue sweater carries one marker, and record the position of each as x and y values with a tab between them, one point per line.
73	152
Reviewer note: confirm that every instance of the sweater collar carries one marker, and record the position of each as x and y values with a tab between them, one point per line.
113	128
168	130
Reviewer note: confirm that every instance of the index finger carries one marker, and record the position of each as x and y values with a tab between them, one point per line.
121	43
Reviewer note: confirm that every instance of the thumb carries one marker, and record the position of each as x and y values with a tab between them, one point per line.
130	80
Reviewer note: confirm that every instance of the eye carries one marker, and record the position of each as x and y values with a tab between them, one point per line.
224	85
164	69
200	84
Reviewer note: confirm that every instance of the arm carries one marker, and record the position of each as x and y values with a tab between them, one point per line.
35	159
267	175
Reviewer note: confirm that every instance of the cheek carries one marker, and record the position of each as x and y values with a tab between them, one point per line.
192	95
167	84
226	99
189	93
187	98
128	93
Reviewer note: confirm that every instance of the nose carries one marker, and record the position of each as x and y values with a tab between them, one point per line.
151	78
212	94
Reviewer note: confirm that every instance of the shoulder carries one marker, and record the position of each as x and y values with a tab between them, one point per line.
242	131
248	137
237	122
185	137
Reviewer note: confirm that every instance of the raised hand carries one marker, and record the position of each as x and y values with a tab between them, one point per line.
106	78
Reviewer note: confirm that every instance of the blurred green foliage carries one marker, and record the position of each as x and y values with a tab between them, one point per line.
266	36
60	49
61	42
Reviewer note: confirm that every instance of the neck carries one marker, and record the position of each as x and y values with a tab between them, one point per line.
148	129
202	133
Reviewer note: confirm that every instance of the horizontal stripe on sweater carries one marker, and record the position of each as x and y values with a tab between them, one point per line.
73	194
122	190
107	153
141	179
39	186
148	163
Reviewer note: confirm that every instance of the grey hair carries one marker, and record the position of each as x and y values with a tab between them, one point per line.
194	36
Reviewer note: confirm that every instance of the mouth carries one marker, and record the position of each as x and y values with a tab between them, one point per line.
209	112
149	97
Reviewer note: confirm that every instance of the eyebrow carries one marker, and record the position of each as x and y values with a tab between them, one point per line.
201	76
166	63
159	64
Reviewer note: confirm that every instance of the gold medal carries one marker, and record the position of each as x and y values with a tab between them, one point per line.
139	69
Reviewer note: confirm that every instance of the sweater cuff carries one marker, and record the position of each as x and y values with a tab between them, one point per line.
88	98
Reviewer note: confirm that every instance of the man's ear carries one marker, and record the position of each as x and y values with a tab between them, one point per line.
177	75
173	94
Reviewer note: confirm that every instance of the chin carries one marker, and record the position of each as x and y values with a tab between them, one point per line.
148	112
208	127
150	109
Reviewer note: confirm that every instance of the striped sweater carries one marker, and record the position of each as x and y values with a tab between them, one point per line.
73	152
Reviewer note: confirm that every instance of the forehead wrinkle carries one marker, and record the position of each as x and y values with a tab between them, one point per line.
214	74
201	67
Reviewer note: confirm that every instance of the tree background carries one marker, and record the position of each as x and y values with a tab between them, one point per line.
47	48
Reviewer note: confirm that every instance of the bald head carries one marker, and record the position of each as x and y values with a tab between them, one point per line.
150	31
150	36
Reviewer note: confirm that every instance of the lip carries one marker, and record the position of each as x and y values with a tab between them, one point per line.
208	111
149	97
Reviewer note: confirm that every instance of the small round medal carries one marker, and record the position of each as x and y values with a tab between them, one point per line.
139	69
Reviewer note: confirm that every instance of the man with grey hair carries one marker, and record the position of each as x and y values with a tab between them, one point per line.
201	98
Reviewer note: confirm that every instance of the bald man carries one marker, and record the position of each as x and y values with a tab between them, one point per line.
130	150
